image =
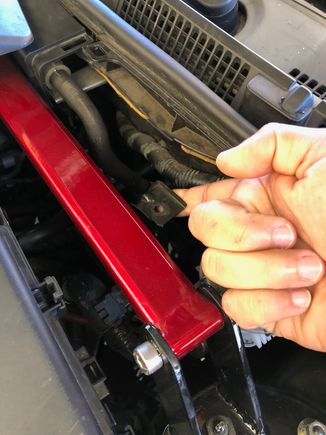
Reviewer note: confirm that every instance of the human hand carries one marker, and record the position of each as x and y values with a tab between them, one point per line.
266	232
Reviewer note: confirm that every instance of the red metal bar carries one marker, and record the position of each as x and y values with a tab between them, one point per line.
157	289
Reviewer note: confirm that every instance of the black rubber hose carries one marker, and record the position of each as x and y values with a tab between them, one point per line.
161	73
46	235
157	153
96	130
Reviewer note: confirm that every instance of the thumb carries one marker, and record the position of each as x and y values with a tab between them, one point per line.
285	149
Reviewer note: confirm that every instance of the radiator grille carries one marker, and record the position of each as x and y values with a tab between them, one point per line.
197	51
303	79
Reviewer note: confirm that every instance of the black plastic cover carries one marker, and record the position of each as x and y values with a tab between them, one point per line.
39	391
56	35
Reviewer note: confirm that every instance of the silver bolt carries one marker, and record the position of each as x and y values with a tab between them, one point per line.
308	426
317	430
148	358
221	428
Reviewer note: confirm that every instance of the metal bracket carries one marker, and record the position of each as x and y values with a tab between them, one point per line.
233	371
173	390
160	204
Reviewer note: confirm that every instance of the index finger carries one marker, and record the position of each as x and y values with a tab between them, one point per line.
196	195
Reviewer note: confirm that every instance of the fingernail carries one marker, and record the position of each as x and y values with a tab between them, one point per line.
283	237
310	268
301	298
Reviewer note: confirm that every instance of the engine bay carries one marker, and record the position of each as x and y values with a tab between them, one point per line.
115	104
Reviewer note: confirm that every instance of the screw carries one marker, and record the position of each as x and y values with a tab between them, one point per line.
221	428
317	429
309	426
148	358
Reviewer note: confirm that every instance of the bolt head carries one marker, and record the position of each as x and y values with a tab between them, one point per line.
309	426
221	428
148	358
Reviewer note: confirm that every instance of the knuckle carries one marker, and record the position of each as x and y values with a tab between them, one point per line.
205	192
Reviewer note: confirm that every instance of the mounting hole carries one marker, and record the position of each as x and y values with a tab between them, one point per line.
159	209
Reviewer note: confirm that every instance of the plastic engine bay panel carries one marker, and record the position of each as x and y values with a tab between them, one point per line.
38	389
288	33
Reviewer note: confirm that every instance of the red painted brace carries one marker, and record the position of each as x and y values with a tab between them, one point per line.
157	289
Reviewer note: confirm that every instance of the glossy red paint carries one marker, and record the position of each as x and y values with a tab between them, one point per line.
157	289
